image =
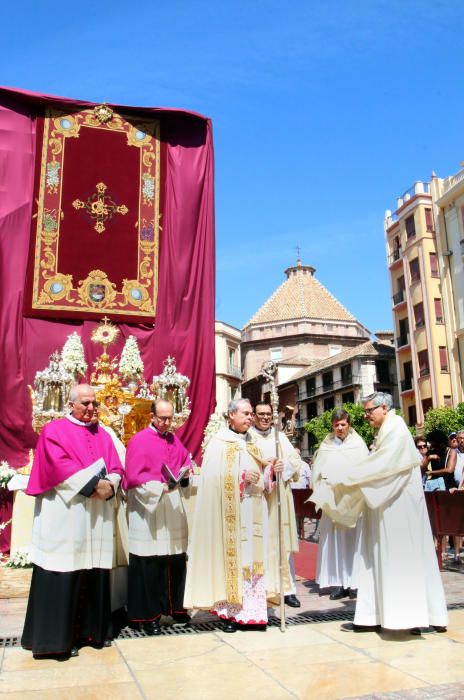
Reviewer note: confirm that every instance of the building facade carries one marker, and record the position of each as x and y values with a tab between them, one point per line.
422	355
345	378
228	364
448	204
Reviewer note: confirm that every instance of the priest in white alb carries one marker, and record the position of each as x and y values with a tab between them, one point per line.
399	583
263	432
231	565
75	475
158	530
339	546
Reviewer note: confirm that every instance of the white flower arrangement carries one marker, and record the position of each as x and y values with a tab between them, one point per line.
72	355
6	473
130	364
20	559
216	422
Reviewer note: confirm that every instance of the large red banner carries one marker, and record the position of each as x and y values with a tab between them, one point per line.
182	324
96	219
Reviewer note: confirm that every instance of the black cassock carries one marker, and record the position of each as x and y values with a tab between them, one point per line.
156	587
67	609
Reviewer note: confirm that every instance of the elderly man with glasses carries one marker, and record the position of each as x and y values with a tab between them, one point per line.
75	475
399	585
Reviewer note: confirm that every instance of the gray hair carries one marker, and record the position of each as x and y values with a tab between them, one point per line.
75	391
460	432
235	403
379	398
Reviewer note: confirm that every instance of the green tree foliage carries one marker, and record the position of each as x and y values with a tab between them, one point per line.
446	419
320	426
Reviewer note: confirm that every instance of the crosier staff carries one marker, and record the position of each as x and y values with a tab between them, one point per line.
268	371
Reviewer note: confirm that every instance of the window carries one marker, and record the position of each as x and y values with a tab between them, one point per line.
406	383
419	315
382	371
311	386
346	374
327	381
414	270
426	405
410	226
423	358
443	358
276	354
428	220
447	401
329	403
311	410
412	415
348	397
438	310
403	338
434	265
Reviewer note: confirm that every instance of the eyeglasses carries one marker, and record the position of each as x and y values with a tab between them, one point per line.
421	447
368	411
264	415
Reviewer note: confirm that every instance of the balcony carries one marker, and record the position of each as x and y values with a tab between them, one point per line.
402	341
398	297
393	257
420	324
333	387
234	371
435	273
406	384
424	372
347	381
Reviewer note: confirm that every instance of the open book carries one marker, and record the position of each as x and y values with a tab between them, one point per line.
171	480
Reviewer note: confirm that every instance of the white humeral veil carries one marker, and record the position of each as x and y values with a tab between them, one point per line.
399	582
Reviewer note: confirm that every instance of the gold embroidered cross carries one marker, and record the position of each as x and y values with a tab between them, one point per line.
100	207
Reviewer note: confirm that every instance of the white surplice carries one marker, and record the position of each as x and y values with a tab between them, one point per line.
292	461
157	520
72	532
339	547
399	584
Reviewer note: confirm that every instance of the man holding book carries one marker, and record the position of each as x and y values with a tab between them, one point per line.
75	475
157	481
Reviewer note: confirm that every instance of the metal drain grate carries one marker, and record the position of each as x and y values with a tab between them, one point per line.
305	618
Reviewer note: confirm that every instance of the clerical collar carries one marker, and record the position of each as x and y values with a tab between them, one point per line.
80	422
241	435
264	433
164	435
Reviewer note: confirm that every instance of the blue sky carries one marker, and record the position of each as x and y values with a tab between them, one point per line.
323	113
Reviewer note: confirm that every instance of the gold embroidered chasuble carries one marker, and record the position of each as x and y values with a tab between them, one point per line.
221	555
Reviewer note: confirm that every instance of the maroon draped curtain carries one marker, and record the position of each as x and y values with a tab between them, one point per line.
184	322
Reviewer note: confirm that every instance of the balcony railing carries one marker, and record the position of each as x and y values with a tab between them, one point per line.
393	257
424	372
234	371
398	297
434	273
402	341
406	384
335	386
420	323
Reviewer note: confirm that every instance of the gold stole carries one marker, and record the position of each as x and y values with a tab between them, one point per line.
234	572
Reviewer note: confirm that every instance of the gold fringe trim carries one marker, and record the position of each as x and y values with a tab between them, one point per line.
256	570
